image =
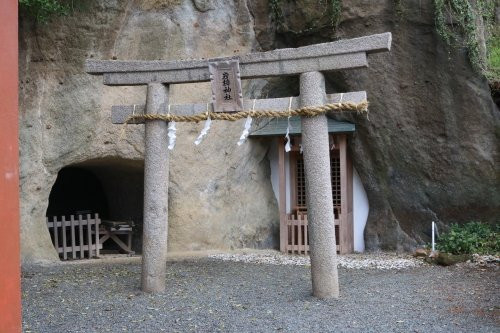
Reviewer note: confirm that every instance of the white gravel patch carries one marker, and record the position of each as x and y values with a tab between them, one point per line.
383	261
484	260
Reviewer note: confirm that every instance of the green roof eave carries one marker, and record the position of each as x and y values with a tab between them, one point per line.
274	127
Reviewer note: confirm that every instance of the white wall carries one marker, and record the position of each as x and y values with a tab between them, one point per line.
272	154
360	212
360	199
273	159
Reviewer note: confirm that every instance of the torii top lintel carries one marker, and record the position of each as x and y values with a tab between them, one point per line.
342	54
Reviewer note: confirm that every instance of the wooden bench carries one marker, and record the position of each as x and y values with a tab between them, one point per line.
112	229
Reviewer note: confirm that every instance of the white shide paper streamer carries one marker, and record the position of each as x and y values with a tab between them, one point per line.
171	135
287	136
204	131
246	131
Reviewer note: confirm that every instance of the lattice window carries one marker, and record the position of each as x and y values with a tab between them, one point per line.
300	181
335	176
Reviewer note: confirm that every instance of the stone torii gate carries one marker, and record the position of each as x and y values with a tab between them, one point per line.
308	62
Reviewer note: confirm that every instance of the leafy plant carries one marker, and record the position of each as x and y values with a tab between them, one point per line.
332	10
493	71
335	12
470	238
42	10
462	22
276	13
400	8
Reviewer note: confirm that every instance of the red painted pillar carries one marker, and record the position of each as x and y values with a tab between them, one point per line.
10	272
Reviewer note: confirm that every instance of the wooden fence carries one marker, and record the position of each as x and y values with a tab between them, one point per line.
78	237
298	236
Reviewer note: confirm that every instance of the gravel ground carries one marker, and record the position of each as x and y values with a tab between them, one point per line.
355	261
214	295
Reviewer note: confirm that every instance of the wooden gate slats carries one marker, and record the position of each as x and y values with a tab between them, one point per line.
73	238
78	246
298	235
80	233
89	236
63	231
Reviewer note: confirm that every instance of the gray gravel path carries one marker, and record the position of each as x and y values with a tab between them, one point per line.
210	295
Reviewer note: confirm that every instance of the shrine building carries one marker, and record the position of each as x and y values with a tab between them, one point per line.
350	201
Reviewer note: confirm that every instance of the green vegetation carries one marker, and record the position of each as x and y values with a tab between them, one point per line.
460	23
335	12
470	238
463	23
332	10
277	13
400	9
493	70
42	10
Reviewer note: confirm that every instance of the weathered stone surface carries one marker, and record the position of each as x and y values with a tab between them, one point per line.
65	120
428	152
322	245
343	54
420	252
203	5
448	259
430	149
156	172
367	44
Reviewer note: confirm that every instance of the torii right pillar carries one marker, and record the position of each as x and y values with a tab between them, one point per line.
321	224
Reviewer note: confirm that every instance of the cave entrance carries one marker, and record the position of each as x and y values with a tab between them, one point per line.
111	187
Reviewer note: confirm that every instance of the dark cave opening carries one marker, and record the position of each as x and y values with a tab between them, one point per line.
110	187
77	191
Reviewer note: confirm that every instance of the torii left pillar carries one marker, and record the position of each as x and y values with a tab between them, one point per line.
156	169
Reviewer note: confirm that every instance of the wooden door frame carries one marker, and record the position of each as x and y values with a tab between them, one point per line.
282	192
346	227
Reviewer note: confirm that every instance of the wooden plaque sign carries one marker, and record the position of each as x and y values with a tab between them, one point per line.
226	85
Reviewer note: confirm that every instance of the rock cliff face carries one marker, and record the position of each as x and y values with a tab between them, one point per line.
430	150
220	194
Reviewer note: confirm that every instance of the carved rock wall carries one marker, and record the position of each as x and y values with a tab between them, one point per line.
220	194
430	149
